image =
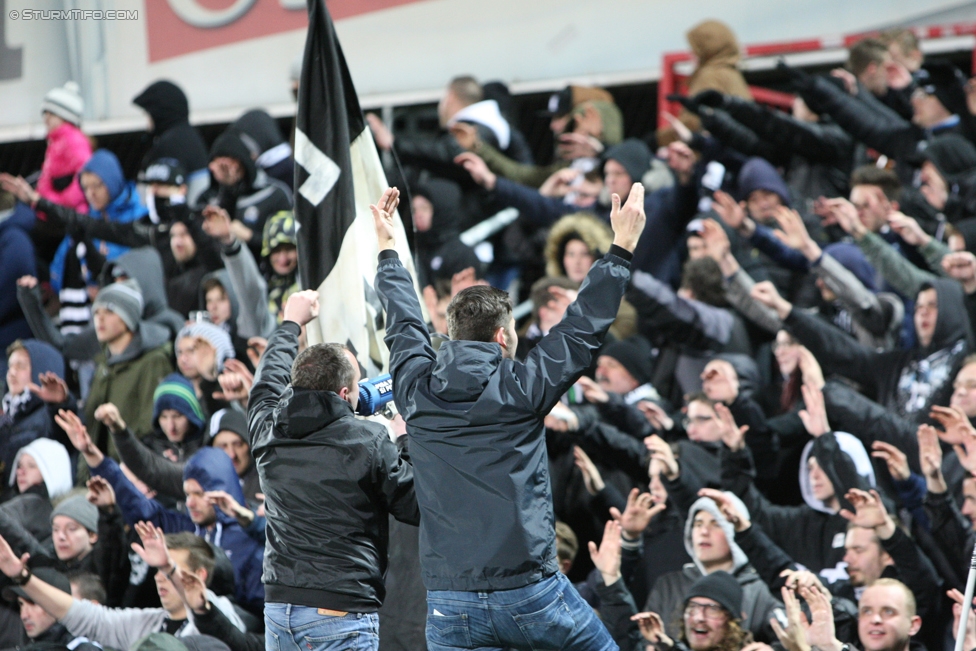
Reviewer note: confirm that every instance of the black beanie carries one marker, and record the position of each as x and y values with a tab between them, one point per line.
952	155
634	354
633	155
721	587
228	420
944	80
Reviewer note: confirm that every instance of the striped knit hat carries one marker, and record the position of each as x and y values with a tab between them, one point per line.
65	102
176	392
214	334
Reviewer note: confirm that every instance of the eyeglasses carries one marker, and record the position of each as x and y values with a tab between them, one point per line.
701	420
709	611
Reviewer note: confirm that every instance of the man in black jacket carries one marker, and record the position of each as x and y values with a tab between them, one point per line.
330	483
475	419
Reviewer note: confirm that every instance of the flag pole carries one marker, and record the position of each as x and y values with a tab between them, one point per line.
967	605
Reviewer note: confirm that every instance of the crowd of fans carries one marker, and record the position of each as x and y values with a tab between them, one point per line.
776	445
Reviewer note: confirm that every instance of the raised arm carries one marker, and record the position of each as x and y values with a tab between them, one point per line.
273	375
411	353
562	356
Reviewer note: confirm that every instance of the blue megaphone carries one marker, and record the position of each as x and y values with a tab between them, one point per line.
374	393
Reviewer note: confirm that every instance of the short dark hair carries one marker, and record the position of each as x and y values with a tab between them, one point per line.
323	367
88	586
887	180
864	53
467	89
475	313
212	283
201	554
704	278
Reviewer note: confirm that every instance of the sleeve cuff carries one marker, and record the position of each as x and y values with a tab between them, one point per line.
231	249
389	254
620	252
291	326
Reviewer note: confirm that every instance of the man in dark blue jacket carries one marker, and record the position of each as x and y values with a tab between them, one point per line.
475	421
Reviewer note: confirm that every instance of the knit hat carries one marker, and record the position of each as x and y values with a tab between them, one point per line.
47	574
759	174
175	392
166	171
79	509
719	586
215	336
65	102
455	256
851	256
52	460
944	80
281	228
124	299
634	354
952	154
633	155
228	420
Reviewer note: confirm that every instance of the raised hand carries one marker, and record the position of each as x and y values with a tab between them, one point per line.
235	382
27	282
957	427
194	592
52	388
655	415
967	455
579	145
78	435
559	183
561	419
628	220
793	233
732	212
108	414
153	548
765	293
961	266
720	382
217	224
870	512
21	189
930	458
842	212
896	460
592	479
382	135
821	632
101	493
794	636
478	169
810	369
736	518
796	579
661	450
10	564
302	307
908	229
606	557
465	134
255	349
681	160
592	391
733	436
684	133
814	417
383	212
638	513
226	503
652	628
957	607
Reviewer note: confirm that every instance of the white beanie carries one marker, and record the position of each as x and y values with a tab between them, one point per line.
65	102
52	460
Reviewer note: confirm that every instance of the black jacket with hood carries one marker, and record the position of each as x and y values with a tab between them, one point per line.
475	421
811	533
172	135
331	482
906	382
261	134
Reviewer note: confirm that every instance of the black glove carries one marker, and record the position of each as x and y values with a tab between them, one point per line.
687	102
800	80
712	98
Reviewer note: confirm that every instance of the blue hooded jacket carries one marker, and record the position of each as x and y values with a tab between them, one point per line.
124	206
214	471
759	174
17	254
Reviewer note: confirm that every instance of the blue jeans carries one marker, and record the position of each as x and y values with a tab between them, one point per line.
299	628
549	614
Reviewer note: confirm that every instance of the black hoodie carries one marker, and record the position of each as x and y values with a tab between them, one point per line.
445	197
173	137
906	382
261	134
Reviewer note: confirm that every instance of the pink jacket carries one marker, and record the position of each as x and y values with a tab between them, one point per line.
68	150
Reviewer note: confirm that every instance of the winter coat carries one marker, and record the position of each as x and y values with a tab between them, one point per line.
172	136
17	253
475	421
68	149
810	534
366	479
128	381
213	470
907	382
669	594
261	134
58	638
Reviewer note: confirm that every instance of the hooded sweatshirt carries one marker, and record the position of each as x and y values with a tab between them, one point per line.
214	471
907	382
274	155
810	534
53	462
17	253
669	594
172	135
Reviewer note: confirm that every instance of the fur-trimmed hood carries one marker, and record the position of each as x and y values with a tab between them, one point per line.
594	232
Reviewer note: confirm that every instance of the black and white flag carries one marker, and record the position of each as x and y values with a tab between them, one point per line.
338	174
